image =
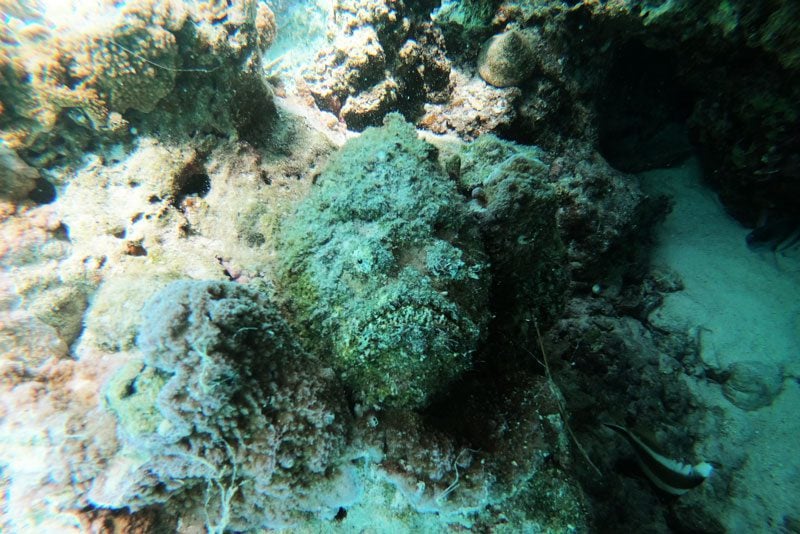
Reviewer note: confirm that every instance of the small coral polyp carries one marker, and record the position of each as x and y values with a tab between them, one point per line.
383	269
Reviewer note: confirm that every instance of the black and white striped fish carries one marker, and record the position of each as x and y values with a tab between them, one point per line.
671	476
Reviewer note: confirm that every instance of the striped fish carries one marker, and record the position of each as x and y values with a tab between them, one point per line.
671	476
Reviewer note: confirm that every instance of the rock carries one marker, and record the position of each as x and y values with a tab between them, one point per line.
17	178
474	108
752	385
384	58
516	207
506	59
370	106
62	308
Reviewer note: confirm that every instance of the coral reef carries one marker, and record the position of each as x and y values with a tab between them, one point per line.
457	469
55	256
56	438
112	321
383	266
516	204
466	22
62	81
550	224
473	108
127	222
611	366
204	208
217	322
33	246
602	214
226	409
95	74
630	77
385	57
469	469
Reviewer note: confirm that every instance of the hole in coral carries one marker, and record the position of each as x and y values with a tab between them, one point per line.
43	193
135	249
130	389
62	232
196	184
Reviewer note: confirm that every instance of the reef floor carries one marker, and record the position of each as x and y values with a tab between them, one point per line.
744	309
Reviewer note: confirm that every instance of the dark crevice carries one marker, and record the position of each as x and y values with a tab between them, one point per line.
196	184
643	112
43	193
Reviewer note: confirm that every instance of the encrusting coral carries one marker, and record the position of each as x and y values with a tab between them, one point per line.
225	410
99	70
128	60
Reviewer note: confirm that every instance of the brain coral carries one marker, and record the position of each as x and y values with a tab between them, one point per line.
228	410
383	267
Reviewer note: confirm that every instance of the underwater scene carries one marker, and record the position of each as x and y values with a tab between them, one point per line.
399	266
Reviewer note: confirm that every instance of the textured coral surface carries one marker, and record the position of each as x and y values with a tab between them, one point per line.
225	401
68	77
381	262
391	274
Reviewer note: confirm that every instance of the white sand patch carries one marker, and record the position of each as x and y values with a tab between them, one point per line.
744	305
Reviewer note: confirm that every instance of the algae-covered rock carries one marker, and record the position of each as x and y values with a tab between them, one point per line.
516	205
383	266
223	403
